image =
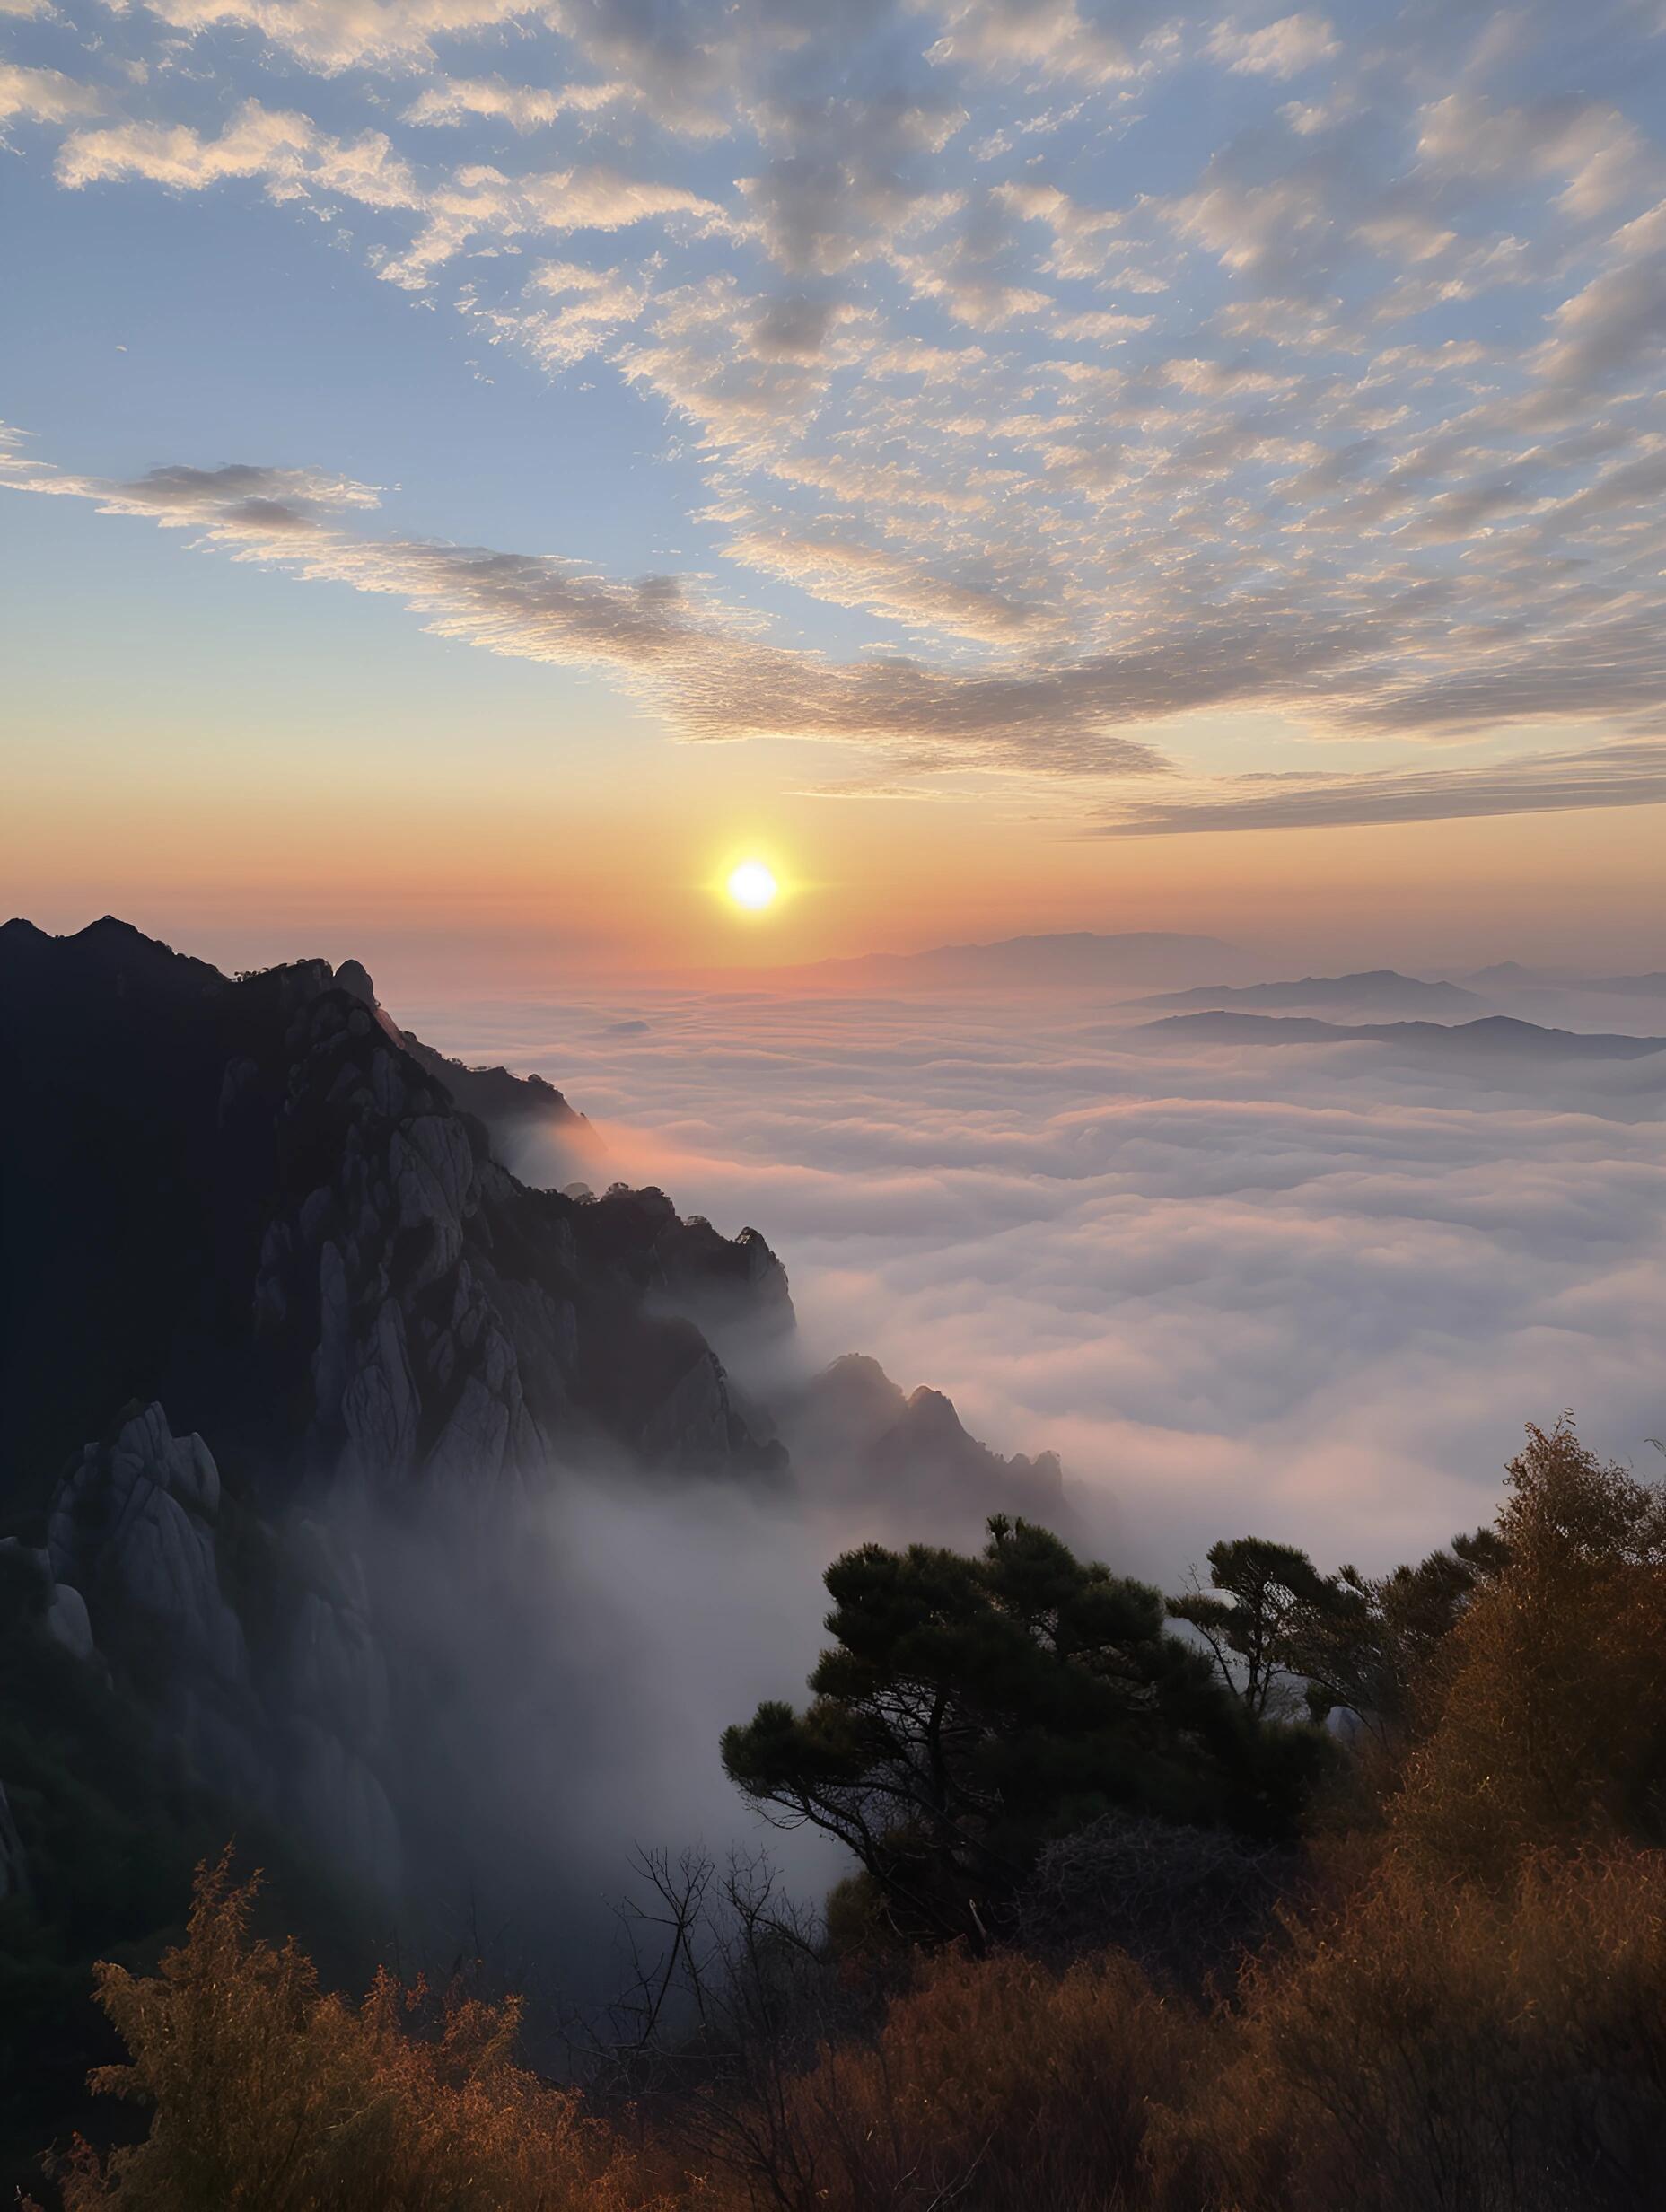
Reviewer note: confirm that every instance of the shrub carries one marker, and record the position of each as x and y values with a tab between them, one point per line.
1460	2004
1186	1903
994	2084
1432	2047
268	2092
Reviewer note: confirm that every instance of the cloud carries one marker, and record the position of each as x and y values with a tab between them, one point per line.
287	149
594	305
524	107
1614	326
1076	399
975	269
1600	155
707	670
682	62
741	366
44	96
1079	233
296	160
714	674
331	35
1281	50
1052	38
1289	232
1313	1292
1631	773
1098	324
853	575
850	170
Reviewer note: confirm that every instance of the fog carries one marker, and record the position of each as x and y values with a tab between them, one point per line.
1312	1290
564	1665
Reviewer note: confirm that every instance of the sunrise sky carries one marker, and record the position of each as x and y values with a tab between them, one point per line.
480	471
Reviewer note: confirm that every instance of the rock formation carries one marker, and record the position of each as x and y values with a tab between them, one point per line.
853	1430
270	1214
263	1249
288	1715
13	1863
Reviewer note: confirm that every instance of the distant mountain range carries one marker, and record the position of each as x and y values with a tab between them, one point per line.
1077	958
1651	986
1378	989
1496	1036
1509	975
1199	971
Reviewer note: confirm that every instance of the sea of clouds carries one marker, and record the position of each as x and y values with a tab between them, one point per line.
1309	1291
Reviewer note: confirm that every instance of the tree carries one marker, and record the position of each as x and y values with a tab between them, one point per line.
1278	1628
1543	1712
971	1708
1273	1600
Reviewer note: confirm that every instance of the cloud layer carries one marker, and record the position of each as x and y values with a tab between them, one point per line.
1312	1292
1113	364
1631	773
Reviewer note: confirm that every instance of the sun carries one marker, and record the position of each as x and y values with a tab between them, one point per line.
752	886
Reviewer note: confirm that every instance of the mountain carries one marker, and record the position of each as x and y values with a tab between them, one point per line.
513	1107
1511	975
1378	990
911	1454
294	1376
1650	985
1496	1036
1078	960
264	1208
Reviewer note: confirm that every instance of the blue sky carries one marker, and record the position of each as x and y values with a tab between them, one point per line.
1090	409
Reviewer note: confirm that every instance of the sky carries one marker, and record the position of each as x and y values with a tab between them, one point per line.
477	471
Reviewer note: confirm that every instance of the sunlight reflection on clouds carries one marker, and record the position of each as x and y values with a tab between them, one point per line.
1310	1291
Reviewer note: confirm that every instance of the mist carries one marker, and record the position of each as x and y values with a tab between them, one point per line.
563	1665
1315	1291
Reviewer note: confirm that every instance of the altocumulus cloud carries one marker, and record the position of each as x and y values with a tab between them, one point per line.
1118	363
702	663
714	674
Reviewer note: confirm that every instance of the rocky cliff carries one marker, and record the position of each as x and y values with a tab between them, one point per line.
909	1457
251	1233
256	1201
278	1319
254	1655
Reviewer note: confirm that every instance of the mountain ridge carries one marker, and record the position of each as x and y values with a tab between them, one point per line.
272	1201
1061	958
1495	1034
1378	988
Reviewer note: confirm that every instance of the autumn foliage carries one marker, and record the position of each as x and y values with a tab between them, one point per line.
267	2092
1459	2007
